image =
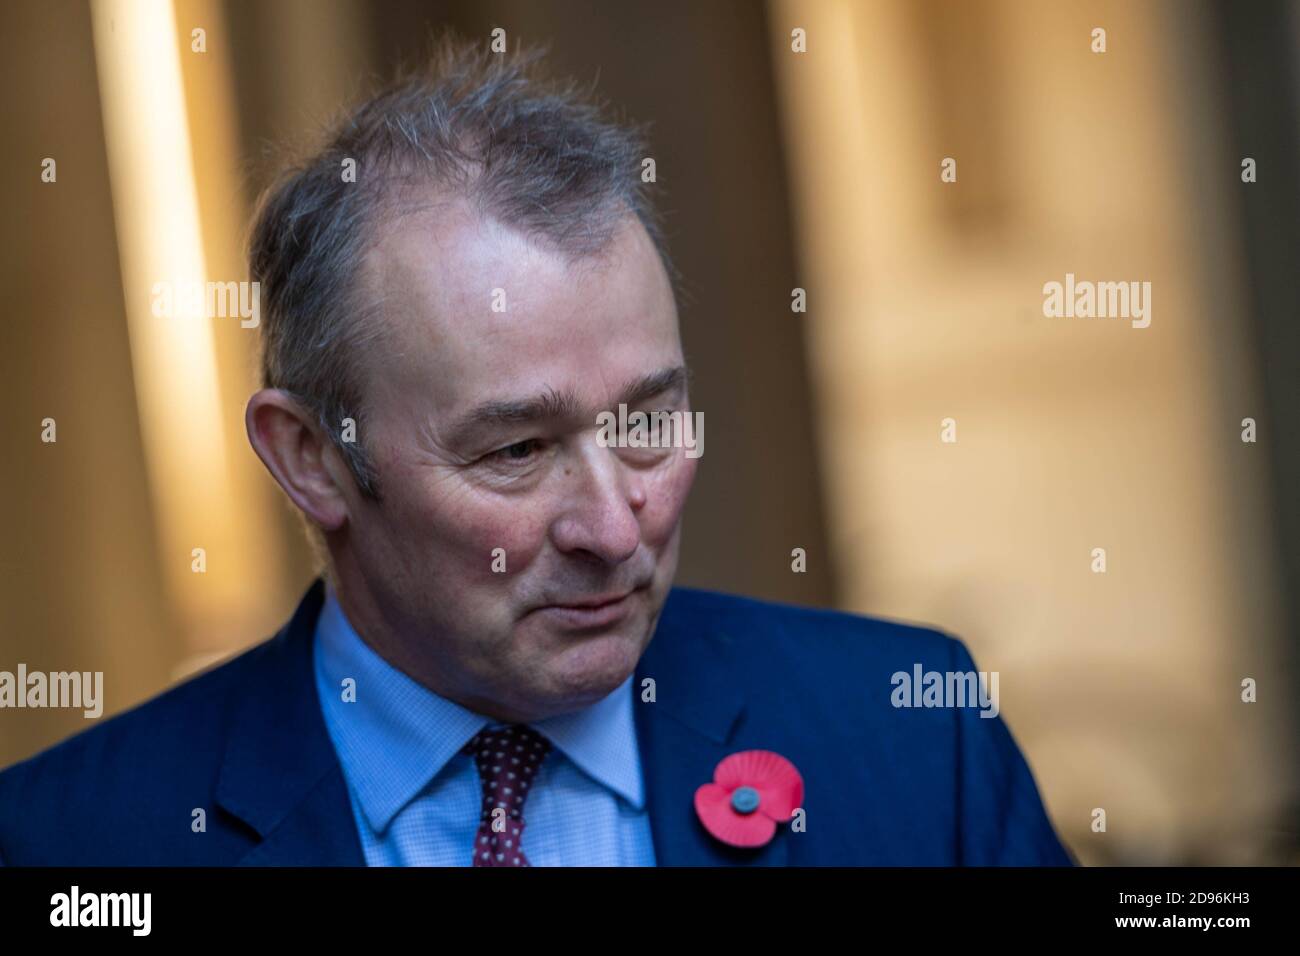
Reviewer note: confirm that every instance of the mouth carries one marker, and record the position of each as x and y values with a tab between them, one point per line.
585	613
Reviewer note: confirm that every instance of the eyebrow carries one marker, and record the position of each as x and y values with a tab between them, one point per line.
552	405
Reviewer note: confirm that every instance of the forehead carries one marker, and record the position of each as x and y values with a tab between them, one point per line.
473	310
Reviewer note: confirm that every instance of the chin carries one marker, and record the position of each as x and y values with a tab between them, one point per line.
594	668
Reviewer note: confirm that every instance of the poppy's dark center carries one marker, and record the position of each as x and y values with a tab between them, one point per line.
744	800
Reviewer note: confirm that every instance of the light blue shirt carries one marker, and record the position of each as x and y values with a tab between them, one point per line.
417	799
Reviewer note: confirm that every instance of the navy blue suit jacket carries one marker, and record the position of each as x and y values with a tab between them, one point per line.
246	742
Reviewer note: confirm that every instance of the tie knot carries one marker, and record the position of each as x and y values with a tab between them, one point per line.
508	759
518	736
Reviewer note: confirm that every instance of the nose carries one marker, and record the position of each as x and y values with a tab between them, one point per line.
603	499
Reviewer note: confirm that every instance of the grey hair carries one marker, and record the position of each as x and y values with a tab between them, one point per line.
543	157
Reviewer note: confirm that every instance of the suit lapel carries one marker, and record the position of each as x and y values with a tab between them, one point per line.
683	734
279	773
317	830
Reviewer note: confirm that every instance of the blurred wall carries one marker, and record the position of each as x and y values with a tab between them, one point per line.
81	582
1071	434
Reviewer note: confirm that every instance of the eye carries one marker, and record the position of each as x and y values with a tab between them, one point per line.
520	451
654	433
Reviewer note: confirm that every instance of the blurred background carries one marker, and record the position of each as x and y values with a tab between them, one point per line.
779	170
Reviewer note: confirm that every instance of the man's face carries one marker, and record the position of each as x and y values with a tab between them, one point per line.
498	355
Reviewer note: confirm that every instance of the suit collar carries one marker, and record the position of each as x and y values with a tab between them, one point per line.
279	773
688	666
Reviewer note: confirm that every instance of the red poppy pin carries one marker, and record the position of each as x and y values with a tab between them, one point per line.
752	791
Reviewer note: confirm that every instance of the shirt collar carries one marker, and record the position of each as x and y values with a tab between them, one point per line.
398	735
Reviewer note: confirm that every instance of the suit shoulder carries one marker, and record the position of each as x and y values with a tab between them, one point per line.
177	729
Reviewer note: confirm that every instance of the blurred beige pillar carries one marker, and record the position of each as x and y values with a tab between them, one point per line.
925	303
209	511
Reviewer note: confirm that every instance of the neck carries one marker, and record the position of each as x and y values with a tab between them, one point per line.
382	634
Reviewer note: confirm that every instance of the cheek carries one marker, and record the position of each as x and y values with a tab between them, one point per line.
476	530
665	498
458	531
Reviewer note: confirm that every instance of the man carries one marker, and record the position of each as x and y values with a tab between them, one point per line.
496	669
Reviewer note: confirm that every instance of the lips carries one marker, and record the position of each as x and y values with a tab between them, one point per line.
592	602
594	611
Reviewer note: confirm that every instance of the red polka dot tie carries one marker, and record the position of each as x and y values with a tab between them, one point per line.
508	759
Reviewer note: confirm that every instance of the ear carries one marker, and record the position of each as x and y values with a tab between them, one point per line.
302	460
